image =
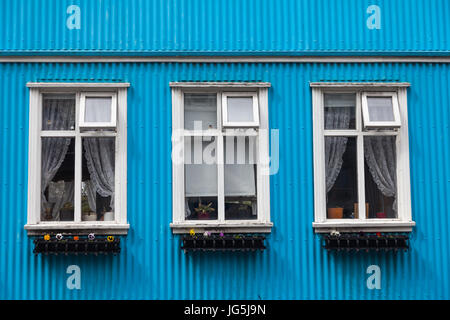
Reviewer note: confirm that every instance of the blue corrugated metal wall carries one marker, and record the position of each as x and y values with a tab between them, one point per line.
227	27
152	266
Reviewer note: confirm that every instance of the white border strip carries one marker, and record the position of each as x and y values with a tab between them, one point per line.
90	85
226	59
219	84
359	84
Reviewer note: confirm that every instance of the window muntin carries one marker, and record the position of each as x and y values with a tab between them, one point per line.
380	110
59	179
98	110
240	109
387	207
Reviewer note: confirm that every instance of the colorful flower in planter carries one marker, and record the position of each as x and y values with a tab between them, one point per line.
192	232
91	236
207	234
76	238
59	236
221	234
47	237
110	238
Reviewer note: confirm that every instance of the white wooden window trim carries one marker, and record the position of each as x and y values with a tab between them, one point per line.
179	224
396	123
227	123
34	225
82	108
403	222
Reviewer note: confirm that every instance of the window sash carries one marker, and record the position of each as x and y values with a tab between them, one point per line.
402	164
255	109
90	124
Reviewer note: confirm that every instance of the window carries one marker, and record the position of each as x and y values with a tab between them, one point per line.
77	158
218	157
361	176
240	109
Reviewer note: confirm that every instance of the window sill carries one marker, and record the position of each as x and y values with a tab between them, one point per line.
199	227
78	228
363	226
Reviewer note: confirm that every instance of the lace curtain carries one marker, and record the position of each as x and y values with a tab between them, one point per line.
335	118
91	193
58	114
99	153
62	192
380	154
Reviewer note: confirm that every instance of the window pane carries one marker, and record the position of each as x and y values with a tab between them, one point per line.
340	111
380	109
380	176
58	112
341	177
200	178
240	178
240	109
57	179
98	109
201	108
98	179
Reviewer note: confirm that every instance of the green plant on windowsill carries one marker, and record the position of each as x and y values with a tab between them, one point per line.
203	211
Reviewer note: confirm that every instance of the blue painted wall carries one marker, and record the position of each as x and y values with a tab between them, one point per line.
190	27
151	265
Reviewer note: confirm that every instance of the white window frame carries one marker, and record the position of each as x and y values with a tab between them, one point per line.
231	124
370	124
91	125
403	222
34	226
262	223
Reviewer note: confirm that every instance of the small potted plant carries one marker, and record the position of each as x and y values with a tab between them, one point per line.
335	213
203	211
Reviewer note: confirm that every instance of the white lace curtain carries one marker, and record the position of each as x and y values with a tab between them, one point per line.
100	156
61	192
58	114
380	154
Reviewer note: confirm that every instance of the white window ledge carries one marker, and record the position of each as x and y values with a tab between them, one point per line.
185	227
363	226
97	228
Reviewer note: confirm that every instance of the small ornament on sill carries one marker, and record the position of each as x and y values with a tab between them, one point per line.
59	236
110	238
76	238
192	232
47	237
91	236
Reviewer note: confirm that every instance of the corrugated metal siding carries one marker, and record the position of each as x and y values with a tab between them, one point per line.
294	27
152	266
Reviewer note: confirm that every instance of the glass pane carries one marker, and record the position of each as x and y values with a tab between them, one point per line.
200	111
240	109
98	179
57	179
380	176
340	110
341	177
58	112
240	178
380	109
98	109
200	178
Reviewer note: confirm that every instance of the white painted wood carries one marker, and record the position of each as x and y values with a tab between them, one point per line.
93	125
368	123
202	85
78	85
180	225
228	123
404	222
359	85
34	224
